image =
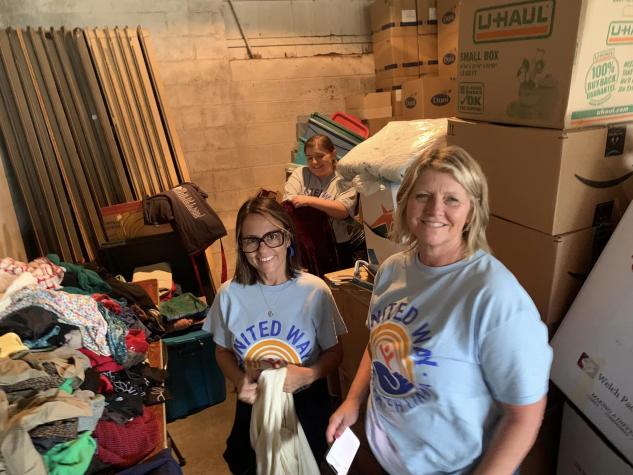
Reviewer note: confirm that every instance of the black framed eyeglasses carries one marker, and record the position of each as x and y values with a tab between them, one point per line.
272	239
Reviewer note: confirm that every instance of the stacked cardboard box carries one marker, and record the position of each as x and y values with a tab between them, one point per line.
555	188
447	37
374	108
394	26
353	303
551	184
405	43
433	94
552	193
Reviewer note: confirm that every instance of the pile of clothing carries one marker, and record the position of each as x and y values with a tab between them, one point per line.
178	310
74	384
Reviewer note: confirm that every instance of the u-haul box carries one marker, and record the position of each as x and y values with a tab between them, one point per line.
546	63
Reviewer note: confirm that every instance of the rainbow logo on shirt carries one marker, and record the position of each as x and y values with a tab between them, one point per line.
398	342
268	343
391	346
270	353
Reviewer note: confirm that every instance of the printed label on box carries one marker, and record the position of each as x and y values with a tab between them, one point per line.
616	138
448	18
448	59
518	21
471	97
620	33
408	16
602	77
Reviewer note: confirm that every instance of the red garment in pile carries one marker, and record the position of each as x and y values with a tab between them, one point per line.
108	302
135	341
101	363
315	239
126	445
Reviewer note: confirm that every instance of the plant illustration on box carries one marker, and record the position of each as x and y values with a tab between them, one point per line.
538	91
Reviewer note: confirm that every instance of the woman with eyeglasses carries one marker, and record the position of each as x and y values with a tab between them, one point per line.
271	315
320	186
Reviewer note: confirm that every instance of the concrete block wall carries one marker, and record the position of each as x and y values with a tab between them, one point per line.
235	116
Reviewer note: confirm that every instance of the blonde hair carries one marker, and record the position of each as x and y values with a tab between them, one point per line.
466	171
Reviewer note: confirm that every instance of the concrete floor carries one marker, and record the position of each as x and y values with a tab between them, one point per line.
201	437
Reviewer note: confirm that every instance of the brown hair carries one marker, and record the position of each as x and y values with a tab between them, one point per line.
275	213
322	142
466	171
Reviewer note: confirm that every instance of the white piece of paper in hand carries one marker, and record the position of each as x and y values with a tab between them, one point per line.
341	454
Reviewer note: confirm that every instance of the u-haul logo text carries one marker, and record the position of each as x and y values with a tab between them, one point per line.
620	33
516	21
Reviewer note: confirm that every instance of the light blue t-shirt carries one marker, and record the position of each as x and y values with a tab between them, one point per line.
265	324
448	343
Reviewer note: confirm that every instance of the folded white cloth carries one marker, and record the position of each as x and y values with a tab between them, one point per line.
160	271
277	437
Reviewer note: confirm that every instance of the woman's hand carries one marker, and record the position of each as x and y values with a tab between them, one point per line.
247	387
297	377
346	415
299	201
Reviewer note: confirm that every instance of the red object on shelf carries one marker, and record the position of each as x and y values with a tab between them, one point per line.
352	122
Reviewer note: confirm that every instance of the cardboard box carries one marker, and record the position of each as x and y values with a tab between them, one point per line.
353	303
427	17
427	54
392	80
550	268
373	105
550	180
583	452
397	103
546	63
125	221
375	125
378	209
385	14
447	37
392	52
429	97
594	344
